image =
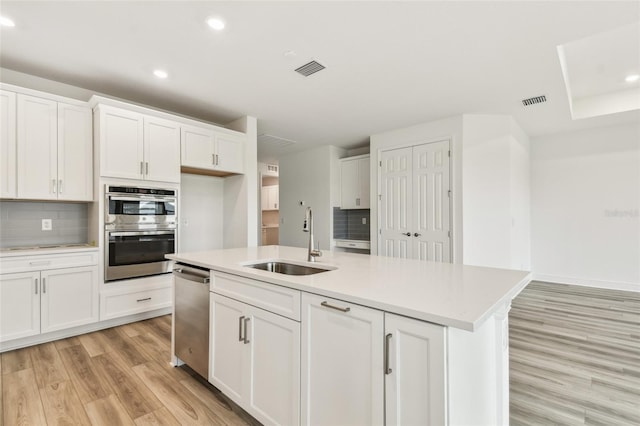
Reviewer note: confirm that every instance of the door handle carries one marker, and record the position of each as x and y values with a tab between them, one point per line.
53	185
142	168
60	186
240	338
357	201
146	168
246	321
337	308
387	340
408	234
416	234
44	286
36	286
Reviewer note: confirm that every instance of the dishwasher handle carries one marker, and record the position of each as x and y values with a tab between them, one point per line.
191	275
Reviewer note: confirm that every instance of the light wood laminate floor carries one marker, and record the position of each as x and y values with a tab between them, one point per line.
574	356
118	376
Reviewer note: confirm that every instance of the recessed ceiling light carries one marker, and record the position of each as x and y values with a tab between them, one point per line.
632	77
160	74
216	23
6	22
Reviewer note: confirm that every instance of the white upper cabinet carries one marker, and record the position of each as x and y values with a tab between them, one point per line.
137	146
161	150
75	153
210	149
270	195
54	150
7	144
354	183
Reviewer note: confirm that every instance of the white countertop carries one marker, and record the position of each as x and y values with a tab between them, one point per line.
443	293
51	249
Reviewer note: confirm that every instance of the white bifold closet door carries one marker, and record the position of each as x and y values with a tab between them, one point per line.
414	203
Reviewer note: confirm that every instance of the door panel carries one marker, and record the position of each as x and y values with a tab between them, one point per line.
19	305
162	150
395	203
7	144
431	187
197	147
75	153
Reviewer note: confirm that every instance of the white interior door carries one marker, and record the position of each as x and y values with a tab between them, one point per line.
395	203
430	231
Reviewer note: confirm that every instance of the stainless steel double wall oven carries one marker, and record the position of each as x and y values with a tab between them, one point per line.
140	228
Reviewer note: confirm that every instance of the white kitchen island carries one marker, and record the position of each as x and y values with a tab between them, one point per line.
374	340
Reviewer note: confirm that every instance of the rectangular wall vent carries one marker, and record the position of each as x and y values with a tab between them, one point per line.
534	100
310	68
272	168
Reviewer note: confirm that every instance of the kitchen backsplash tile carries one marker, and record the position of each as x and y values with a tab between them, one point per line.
347	224
21	223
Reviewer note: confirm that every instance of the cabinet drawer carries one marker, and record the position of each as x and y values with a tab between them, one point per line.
274	298
114	305
12	264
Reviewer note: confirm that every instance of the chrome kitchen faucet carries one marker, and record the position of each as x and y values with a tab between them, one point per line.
308	227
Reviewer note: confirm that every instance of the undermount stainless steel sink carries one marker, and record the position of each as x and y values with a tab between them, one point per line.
287	268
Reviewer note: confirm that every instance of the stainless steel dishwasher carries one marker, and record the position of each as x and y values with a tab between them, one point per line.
191	319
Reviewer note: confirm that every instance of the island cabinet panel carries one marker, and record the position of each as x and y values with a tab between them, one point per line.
414	372
342	363
255	360
19	305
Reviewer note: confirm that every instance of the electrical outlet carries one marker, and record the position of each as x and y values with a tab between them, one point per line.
364	220
46	225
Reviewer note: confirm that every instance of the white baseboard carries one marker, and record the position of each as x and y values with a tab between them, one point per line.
611	285
75	331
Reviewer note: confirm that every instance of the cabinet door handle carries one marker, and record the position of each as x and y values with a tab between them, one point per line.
408	234
337	308
240	338
146	168
44	286
60	186
246	321
416	234
36	286
40	263
53	185
141	168
143	300
387	340
213	159
357	201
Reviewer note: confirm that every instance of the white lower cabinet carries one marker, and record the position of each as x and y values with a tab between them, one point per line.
342	363
255	360
414	372
42	301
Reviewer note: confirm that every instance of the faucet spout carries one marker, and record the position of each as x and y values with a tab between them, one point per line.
312	253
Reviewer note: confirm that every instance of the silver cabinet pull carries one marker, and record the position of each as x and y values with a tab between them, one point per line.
146	168
337	308
44	286
240	338
143	300
213	159
36	286
416	234
387	340
60	186
141	168
408	234
357	201
53	185
40	263
246	321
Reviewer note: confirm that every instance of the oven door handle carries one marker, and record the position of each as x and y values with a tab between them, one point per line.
134	233
140	198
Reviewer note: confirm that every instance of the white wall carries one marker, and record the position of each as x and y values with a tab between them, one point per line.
495	200
201	213
311	176
585	207
241	192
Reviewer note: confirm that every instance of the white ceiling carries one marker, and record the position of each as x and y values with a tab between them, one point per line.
389	64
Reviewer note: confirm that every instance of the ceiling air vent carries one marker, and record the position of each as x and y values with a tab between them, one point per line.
310	68
534	100
274	141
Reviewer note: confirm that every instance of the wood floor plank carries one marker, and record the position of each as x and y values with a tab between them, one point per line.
47	364
126	347
108	411
94	343
185	407
159	351
136	398
574	356
16	360
69	341
160	328
88	382
62	405
1	398
22	405
211	398
161	417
